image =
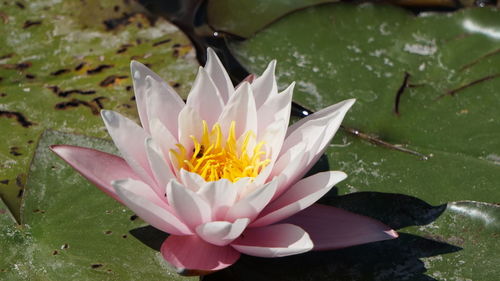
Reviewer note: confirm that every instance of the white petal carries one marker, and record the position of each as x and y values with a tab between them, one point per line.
163	103
220	195
190	124
298	197
240	109
154	212
161	170
139	74
277	107
129	138
219	75
205	99
163	137
265	85
221	233
189	206
193	181
277	240
251	205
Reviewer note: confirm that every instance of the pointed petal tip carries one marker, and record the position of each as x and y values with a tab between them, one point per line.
392	234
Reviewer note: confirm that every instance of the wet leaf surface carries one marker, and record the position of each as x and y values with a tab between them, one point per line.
70	228
61	62
238	17
426	83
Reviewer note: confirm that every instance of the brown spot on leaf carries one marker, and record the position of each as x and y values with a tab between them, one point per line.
123	48
133	217
20	5
3	95
30	23
111	80
175	84
124	236
20	180
108	232
18	116
99	68
14	150
4	17
96	265
39	211
7	56
65	246
30	76
128	88
81	92
98	101
158	43
55	252
16	66
20	193
4	181
79	66
75	103
60	71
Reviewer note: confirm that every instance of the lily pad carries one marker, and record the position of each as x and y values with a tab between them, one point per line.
71	230
238	17
447	242
63	61
426	83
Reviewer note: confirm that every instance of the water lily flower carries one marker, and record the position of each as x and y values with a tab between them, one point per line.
222	173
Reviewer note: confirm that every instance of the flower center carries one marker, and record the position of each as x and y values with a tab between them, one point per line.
215	158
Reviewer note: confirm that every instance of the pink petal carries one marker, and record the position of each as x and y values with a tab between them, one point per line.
221	233
220	195
241	109
129	138
277	240
189	206
265	85
276	108
161	170
218	73
191	253
155	212
273	136
100	168
205	99
298	197
333	228
139	74
251	205
163	103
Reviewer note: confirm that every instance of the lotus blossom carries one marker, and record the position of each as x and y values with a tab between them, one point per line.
222	173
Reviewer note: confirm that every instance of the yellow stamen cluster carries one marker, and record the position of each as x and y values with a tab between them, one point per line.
214	157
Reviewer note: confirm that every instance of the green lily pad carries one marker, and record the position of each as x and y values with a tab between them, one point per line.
456	241
70	228
446	108
238	17
63	61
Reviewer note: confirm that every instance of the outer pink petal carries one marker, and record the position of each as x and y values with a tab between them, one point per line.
241	109
156	213
277	240
191	253
219	75
189	206
298	197
129	138
221	233
251	205
100	168
333	228
205	99
139	74
163	137
265	85
163	103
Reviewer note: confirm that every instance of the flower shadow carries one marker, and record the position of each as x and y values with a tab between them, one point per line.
393	260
